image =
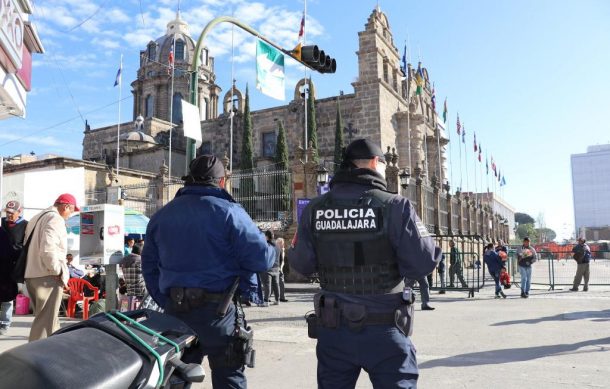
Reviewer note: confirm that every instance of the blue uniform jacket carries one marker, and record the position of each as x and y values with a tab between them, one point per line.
493	261
417	255
202	239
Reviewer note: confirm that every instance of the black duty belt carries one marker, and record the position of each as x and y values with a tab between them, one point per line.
194	297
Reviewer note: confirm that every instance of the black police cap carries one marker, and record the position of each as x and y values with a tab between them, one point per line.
363	149
205	166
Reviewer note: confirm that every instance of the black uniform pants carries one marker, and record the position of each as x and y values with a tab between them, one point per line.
214	333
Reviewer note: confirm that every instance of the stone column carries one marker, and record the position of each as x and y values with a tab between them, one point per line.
161	181
391	170
467	229
419	193
450	211
402	138
460	212
437	204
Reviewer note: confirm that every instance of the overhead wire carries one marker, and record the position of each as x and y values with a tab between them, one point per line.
54	59
63	122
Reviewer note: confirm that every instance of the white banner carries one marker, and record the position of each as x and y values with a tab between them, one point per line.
191	122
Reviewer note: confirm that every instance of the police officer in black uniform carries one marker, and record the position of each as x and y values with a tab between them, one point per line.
363	241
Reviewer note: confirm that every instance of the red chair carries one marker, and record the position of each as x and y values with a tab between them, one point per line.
77	293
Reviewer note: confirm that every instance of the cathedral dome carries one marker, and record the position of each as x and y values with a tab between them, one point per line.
177	30
137	136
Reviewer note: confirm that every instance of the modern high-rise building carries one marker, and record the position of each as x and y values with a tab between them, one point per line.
591	187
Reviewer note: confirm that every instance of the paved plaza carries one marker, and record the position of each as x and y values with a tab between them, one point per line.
557	339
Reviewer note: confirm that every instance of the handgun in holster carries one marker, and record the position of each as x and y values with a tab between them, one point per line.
240	351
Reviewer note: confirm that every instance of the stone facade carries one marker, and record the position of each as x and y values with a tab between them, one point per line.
383	108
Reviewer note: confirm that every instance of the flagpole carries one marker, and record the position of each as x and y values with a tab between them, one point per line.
171	107
438	149
232	97
465	155
475	177
449	135
308	84
118	127
487	170
461	170
481	168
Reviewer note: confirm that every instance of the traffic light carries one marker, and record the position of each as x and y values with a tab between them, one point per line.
315	58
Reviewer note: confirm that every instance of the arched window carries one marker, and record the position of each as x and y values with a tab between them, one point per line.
151	51
204	109
177	108
179	54
385	71
149	106
204	57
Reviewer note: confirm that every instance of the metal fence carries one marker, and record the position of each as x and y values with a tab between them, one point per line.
429	208
555	269
410	192
140	197
265	193
467	273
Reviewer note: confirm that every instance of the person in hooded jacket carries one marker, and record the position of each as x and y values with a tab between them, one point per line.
494	266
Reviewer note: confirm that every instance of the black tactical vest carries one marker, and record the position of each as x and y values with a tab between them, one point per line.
351	241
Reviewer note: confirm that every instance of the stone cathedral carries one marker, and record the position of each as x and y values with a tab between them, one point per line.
383	107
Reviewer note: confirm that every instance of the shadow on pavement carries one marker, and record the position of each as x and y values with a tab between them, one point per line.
599	315
510	355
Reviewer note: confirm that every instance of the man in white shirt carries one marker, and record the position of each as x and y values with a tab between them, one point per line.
46	272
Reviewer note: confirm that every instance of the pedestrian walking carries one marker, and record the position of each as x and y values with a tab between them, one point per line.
46	271
526	256
455	266
424	290
441	273
363	241
280	245
13	227
494	267
197	246
272	276
582	256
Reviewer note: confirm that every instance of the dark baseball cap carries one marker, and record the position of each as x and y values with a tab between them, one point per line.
205	166
13	206
363	149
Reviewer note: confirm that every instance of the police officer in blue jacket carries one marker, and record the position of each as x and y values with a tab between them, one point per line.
196	247
363	242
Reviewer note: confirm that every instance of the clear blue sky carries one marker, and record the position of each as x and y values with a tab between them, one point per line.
530	77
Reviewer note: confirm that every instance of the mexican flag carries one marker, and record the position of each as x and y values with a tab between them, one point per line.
270	71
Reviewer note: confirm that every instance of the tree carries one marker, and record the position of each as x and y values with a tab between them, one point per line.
338	138
282	181
545	234
246	184
523	218
312	127
528	230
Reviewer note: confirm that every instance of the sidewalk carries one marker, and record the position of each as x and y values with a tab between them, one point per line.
558	339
